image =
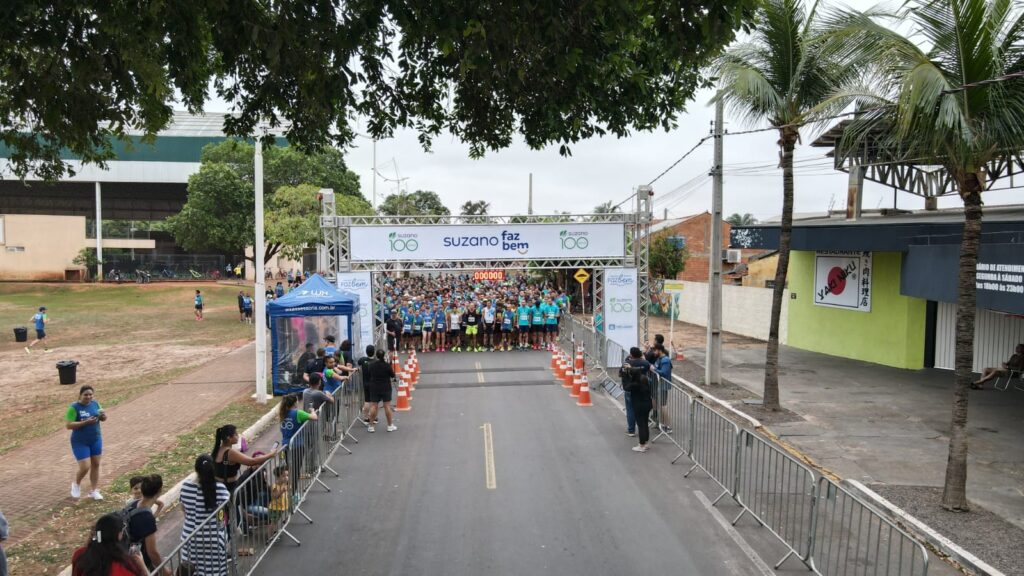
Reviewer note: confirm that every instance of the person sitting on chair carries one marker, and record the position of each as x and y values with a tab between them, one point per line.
1015	364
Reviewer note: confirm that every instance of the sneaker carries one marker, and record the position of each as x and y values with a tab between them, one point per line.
95	495
29	351
370	429
630	433
392	428
639	448
47	350
76	489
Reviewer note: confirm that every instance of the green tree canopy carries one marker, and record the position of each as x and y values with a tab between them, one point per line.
219	213
477	211
77	74
737	219
666	259
418	203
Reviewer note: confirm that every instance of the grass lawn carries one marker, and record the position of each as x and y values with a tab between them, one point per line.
63	528
128	338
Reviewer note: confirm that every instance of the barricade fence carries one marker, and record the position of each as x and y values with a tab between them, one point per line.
268	497
827	527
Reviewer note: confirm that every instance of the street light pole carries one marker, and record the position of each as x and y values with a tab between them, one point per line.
713	356
261	297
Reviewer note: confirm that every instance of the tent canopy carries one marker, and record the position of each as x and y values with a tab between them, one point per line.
314	297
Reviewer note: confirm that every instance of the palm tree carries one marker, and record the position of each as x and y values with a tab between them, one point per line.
737	219
930	110
478	208
779	77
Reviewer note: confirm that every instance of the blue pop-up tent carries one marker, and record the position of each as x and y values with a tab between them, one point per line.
307	315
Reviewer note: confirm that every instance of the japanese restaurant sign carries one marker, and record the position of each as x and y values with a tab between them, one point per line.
843	280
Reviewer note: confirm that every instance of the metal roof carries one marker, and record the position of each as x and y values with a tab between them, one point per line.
207	124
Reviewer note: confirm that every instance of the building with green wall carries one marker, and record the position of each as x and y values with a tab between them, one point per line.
891	333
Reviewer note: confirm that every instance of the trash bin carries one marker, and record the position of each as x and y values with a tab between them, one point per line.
21	334
68	371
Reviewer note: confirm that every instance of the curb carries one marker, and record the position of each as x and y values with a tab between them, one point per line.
944	546
170	497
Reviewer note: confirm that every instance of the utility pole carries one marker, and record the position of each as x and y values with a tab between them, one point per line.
529	205
259	288
713	356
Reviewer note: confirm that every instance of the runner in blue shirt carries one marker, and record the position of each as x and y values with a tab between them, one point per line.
537	329
523	313
427	322
550	322
507	315
407	329
440	327
198	303
39	320
417	327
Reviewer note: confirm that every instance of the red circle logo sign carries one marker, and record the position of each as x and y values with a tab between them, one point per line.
836	280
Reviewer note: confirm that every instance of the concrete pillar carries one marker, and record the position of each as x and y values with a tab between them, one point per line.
99	233
931	203
854	193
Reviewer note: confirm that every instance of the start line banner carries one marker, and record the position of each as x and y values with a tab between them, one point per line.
487	242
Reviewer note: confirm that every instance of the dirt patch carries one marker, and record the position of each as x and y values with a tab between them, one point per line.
980	532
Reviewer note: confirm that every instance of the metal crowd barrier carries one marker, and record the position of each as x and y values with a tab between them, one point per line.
713	443
181	560
851	537
673	415
831	530
778	491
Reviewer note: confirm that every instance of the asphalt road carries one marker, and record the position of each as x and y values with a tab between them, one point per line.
566	494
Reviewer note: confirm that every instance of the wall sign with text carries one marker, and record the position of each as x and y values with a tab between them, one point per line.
843	280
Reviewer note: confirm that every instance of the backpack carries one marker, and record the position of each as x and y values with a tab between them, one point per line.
131	510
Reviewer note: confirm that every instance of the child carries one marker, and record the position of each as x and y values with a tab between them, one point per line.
135	483
39	319
199	305
279	500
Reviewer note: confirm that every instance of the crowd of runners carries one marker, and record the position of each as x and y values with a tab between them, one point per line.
458	313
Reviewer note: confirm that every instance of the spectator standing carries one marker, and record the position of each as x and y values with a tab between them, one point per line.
227	460
314	397
142	523
106	554
207	551
329	347
380	375
39	320
247	306
241	306
393	327
316	364
635	382
662	369
279	290
83	419
308	355
198	303
364	362
4	535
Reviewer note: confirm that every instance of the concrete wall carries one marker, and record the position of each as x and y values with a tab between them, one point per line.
892	333
746	310
761	271
40	247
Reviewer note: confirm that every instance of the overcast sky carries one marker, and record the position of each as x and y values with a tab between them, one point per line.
608	169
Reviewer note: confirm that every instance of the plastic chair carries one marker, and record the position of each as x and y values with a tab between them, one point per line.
1003	382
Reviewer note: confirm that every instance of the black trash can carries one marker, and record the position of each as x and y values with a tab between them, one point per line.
68	371
21	334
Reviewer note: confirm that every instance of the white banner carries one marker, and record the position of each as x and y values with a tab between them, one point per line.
843	280
621	309
359	283
487	242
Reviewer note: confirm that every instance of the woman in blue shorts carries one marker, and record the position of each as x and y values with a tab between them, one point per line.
83	419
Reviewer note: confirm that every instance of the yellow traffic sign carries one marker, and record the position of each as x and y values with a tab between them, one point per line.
581	276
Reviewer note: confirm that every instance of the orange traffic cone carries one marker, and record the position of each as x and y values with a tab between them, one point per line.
554	361
579	361
410	376
568	378
584	399
577	383
403	397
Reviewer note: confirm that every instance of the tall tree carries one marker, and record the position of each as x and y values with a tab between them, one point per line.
218	214
667	258
779	77
737	219
608	207
476	211
418	203
936	107
73	78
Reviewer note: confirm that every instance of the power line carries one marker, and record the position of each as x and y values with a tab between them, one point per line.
681	158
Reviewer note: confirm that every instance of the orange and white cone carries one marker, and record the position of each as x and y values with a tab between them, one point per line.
584	399
410	376
579	362
554	361
577	383
403	396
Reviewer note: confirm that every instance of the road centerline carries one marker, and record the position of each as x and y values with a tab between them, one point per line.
491	478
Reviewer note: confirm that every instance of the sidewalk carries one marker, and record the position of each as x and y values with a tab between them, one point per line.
887	428
135	430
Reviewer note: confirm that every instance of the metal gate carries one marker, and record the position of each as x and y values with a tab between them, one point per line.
995	336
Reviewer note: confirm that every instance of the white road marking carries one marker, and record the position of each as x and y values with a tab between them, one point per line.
491	475
760	564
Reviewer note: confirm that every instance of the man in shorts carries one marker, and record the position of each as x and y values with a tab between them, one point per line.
523	313
550	323
537	327
198	302
471	324
39	320
454	323
393	326
490	316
